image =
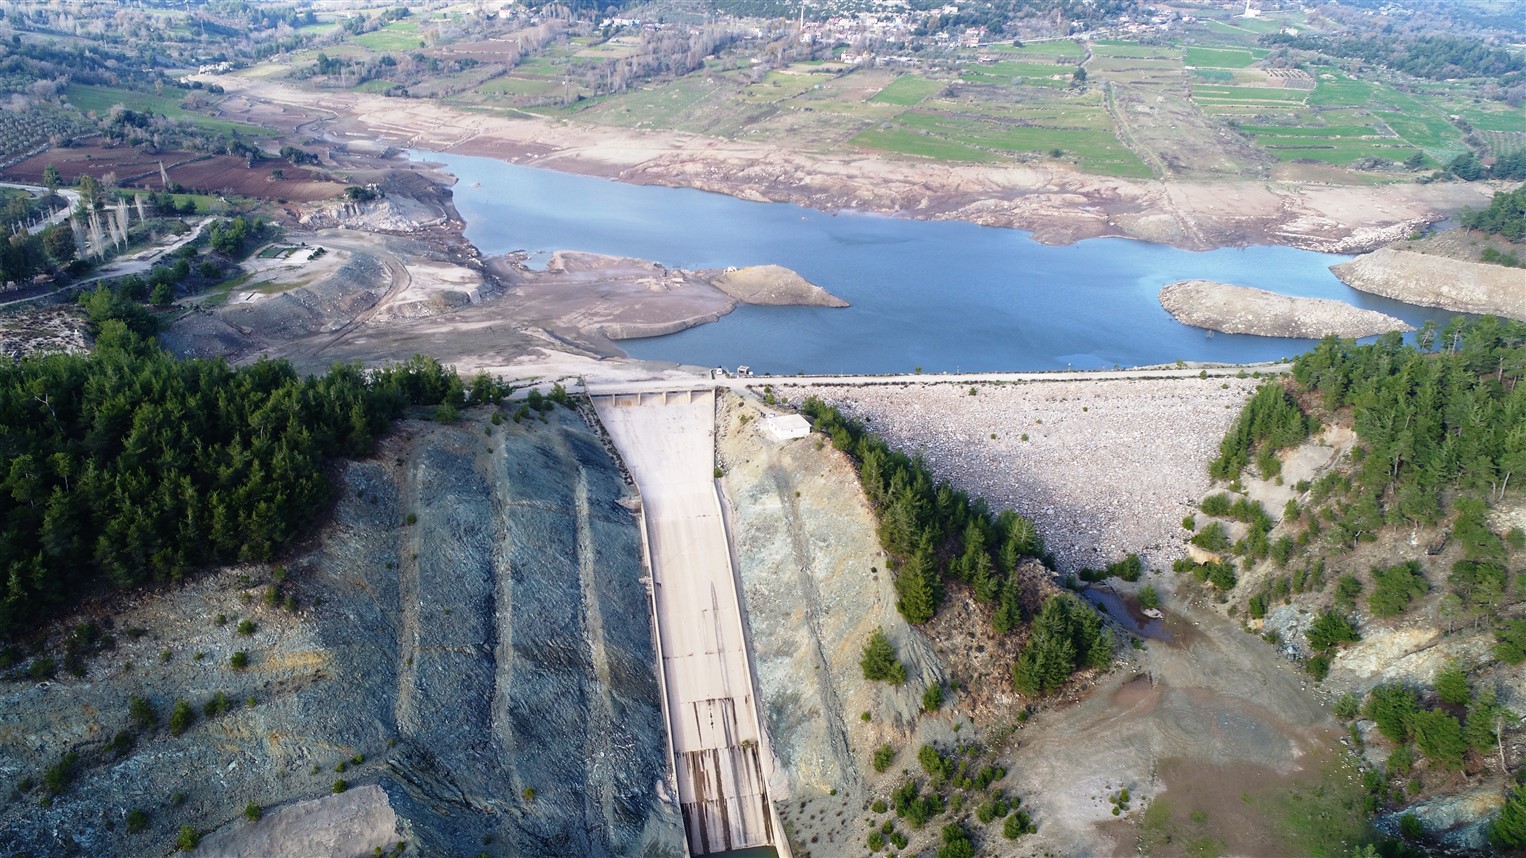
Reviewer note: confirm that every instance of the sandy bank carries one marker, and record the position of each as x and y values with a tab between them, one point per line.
1438	281
1243	310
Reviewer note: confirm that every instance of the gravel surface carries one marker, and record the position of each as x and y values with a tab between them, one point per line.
1103	467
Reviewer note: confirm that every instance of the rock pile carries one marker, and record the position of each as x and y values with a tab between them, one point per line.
1103	467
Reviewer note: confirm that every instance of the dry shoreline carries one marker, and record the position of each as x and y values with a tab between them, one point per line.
1056	204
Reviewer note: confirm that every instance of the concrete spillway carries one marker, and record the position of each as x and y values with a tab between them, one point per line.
667	441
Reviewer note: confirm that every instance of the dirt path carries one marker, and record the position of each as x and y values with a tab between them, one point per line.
1213	705
401	280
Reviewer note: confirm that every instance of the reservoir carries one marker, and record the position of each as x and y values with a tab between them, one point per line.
942	296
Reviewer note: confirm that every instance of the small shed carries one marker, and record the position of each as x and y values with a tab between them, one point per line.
783	427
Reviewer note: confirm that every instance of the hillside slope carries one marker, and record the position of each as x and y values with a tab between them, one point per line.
458	646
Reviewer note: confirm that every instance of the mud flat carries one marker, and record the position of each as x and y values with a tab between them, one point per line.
1438	281
1103	467
1243	310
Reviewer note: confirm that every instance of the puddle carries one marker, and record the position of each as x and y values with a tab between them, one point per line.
1127	613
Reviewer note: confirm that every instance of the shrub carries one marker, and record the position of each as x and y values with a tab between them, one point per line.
137	820
1017	825
1439	737
217	705
1318	667
141	712
1410	827
956	842
932	698
884	755
876	841
1212	538
1129	568
1509	828
1392	707
1329	629
1452	684
879	806
1217	504
879	661
187	839
937	766
253	812
246	627
239	660
1511	648
1149	598
1347	707
1395	587
181	718
59	775
340	786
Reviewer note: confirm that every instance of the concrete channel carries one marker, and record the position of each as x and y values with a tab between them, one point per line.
721	756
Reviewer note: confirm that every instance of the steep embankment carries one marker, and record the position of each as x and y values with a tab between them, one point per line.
815	586
467	644
1243	310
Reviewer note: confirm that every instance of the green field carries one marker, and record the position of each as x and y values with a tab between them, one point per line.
100	100
1031	74
397	36
1057	49
1247	93
907	90
1223	58
1082	135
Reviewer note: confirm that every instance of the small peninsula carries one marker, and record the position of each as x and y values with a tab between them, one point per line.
1244	310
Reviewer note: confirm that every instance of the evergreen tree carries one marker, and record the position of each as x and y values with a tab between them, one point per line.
916	585
1009	612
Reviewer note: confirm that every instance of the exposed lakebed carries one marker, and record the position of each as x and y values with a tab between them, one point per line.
943	296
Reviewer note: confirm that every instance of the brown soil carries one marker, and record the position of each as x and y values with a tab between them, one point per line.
193	170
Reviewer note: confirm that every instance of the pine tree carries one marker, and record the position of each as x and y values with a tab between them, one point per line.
1509	828
1009	611
916	585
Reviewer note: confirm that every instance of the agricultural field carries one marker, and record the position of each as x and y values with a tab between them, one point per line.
908	90
217	175
1207	104
24	130
1074	128
397	36
100	99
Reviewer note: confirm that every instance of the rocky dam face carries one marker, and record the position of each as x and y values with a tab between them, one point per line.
462	660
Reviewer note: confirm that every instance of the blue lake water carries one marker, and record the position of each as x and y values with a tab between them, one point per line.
944	296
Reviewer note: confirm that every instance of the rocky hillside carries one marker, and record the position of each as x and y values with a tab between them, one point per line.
815	586
453	664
